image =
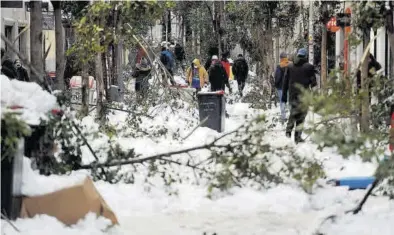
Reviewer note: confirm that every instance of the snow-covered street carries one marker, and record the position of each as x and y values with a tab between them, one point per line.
284	209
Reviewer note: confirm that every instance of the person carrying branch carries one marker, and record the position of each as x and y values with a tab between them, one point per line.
196	75
299	74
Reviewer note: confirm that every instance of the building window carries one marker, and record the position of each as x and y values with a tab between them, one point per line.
22	41
8	34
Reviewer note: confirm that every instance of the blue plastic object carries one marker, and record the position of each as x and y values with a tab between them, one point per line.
354	182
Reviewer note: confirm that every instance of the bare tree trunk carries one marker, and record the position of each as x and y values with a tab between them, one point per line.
217	17
36	51
105	74
365	115
391	41
119	55
193	41
60	62
100	89
85	91
323	62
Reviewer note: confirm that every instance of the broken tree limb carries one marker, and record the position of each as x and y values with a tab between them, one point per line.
162	155
9	222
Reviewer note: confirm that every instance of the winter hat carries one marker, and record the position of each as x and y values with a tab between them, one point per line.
215	57
302	52
283	55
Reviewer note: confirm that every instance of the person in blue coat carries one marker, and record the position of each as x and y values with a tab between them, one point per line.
168	61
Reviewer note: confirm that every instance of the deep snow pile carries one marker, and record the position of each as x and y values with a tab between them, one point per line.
35	101
284	209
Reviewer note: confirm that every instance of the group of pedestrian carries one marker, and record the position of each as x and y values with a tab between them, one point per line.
13	70
217	73
289	77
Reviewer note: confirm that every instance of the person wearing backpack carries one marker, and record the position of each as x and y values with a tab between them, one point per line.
179	56
240	70
299	74
218	76
281	70
167	60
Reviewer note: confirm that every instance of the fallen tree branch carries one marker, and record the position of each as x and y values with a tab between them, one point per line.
9	222
195	128
111	108
161	155
362	202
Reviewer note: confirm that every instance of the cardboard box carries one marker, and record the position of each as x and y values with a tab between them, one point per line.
69	205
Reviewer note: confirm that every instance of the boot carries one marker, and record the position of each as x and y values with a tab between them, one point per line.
297	137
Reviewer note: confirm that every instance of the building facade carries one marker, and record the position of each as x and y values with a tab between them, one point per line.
15	17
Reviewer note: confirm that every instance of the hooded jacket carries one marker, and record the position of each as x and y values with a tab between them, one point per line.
280	72
301	73
203	75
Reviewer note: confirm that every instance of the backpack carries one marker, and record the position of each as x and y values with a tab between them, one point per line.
240	66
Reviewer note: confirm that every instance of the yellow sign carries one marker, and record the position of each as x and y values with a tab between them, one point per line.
310	37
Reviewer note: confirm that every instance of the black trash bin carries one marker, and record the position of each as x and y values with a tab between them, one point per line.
11	183
212	109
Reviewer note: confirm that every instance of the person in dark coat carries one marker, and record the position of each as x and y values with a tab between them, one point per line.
180	56
7	67
373	66
21	72
217	75
142	74
281	70
240	71
300	73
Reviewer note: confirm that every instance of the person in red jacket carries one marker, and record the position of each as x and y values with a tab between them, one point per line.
226	63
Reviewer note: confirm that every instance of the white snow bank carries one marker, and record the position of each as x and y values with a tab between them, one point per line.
45	225
35	101
34	184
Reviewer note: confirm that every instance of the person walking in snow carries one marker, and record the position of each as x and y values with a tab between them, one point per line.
217	75
179	56
142	74
226	64
167	60
7	67
196	75
240	71
280	72
21	72
300	73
